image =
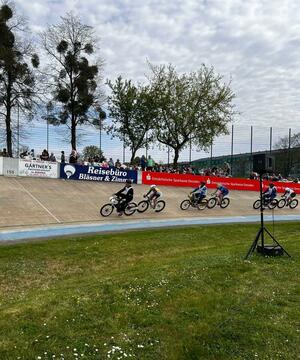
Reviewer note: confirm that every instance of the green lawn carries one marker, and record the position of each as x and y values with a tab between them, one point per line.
161	294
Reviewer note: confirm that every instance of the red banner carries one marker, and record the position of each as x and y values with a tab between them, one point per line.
188	180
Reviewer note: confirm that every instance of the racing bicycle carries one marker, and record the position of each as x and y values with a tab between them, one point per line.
214	200
292	203
271	204
144	205
193	202
114	201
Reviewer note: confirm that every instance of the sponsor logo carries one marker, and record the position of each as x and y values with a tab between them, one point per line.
69	170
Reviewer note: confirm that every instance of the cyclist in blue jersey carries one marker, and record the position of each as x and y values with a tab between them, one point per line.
221	192
271	193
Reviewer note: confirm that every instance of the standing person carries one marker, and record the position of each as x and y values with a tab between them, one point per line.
118	164
150	163
126	195
111	162
143	162
73	157
52	157
62	157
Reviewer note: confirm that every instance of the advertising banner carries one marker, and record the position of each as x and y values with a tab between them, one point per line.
10	166
1	165
96	173
189	180
35	168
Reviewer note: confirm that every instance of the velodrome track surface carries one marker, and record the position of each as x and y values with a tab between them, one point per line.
29	203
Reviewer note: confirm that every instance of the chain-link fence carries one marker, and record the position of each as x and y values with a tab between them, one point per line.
241	139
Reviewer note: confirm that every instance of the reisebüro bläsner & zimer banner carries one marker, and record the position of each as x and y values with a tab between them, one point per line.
96	173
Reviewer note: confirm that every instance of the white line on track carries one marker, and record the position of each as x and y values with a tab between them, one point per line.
35	199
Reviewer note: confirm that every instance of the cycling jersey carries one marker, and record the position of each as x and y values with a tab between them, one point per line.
200	191
271	192
223	190
289	191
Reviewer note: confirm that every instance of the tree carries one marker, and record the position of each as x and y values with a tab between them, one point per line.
286	142
74	80
92	152
192	107
132	113
17	76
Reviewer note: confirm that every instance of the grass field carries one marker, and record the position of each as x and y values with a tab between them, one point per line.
162	294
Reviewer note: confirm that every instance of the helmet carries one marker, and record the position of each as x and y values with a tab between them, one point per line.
271	185
128	181
153	186
203	183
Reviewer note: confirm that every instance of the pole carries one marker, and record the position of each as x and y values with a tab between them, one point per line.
289	152
190	155
271	130
251	140
211	151
261	210
231	158
123	153
168	156
146	145
18	144
100	136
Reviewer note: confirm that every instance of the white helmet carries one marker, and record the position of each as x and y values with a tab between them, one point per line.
153	186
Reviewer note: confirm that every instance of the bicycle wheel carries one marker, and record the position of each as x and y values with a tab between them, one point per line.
106	210
160	206
185	204
130	209
142	206
225	202
202	205
293	203
212	202
272	205
256	204
281	203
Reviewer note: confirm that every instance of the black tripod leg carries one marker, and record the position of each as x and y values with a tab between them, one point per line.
272	237
254	244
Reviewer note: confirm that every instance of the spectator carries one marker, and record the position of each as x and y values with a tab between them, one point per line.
150	163
143	162
62	157
227	169
45	155
32	154
52	157
4	153
111	162
23	154
73	157
118	164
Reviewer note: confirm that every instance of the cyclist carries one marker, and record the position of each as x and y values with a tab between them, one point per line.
221	192
125	195
153	194
270	193
288	194
200	192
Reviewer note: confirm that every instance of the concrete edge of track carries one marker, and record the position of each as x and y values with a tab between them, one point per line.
53	231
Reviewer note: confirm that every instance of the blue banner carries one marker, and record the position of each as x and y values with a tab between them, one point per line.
96	173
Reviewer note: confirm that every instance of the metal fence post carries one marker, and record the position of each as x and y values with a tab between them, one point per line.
251	140
123	153
190	155
271	133
231	156
146	144
211	152
168	156
289	152
18	140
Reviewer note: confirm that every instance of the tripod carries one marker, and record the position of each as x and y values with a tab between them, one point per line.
264	249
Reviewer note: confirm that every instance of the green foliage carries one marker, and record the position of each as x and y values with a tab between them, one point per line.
91	152
194	107
17	78
132	112
183	293
68	46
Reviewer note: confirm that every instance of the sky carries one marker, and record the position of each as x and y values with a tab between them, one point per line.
255	44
